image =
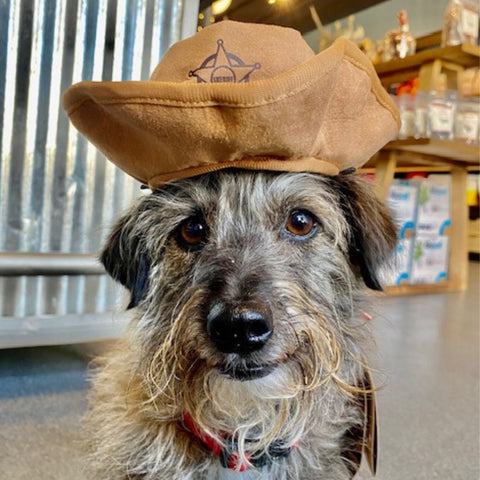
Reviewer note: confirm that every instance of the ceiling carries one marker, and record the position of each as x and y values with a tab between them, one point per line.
291	13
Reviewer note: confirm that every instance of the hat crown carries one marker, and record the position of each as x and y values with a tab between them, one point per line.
289	110
233	52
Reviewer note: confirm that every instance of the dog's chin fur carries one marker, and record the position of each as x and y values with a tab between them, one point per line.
165	365
140	432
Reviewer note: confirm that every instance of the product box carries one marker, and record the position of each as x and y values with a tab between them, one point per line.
434	206
430	259
399	269
403	203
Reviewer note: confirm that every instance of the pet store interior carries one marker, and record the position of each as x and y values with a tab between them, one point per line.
59	198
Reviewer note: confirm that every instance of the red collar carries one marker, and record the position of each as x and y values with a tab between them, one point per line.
228	454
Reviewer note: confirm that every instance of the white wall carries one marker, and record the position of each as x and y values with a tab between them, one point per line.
424	16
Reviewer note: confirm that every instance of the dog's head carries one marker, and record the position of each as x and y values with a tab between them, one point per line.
249	276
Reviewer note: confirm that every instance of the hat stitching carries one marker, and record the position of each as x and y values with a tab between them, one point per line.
187	103
204	103
177	103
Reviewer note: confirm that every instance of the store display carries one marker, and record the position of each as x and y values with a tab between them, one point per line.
469	82
467	121
430	260
406	107
400	268
442	103
421	208
398	43
405	99
433	216
421	115
403	203
460	23
440	113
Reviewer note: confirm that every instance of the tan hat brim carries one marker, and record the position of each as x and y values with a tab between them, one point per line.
324	115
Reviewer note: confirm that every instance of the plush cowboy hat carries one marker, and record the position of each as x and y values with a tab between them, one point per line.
239	95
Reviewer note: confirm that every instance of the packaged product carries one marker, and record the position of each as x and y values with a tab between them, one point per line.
433	216
421	114
398	43
460	22
469	82
398	272
442	104
403	203
430	259
467	121
406	107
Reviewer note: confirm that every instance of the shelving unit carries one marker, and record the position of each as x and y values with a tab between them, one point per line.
474	237
432	155
428	62
435	151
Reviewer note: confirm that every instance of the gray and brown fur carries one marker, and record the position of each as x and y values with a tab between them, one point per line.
166	364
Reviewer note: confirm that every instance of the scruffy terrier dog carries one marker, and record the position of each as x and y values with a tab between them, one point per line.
247	288
245	357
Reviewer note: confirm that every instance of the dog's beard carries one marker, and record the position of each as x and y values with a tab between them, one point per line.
185	375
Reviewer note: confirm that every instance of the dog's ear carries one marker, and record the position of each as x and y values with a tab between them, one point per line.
372	232
126	260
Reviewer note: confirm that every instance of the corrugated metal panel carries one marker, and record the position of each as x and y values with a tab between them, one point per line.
57	193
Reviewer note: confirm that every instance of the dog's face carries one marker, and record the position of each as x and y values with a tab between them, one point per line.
245	288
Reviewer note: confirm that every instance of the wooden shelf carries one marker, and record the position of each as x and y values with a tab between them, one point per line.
434	154
402	69
416	167
466	55
429	155
443	150
474	236
420	289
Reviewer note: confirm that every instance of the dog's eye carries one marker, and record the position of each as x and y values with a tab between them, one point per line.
192	232
301	223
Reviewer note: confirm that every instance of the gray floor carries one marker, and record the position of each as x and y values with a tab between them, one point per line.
428	353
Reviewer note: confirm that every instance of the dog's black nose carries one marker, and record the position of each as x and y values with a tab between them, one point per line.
238	331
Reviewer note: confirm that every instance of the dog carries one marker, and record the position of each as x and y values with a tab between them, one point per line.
247	343
246	265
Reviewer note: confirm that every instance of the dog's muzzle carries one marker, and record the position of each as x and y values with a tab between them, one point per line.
238	330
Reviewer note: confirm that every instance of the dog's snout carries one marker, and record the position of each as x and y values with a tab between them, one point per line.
238	331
